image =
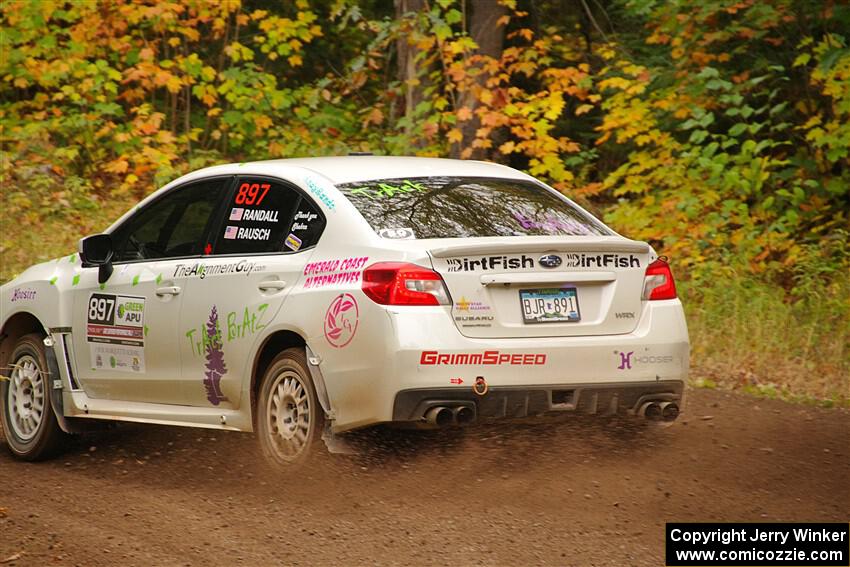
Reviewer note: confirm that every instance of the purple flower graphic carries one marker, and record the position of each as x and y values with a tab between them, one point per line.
215	361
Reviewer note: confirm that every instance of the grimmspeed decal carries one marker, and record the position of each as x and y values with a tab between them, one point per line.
489	263
487	358
116	332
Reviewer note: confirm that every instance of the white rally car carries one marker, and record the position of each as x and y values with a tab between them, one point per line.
304	298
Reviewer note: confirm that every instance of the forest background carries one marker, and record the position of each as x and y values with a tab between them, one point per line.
717	130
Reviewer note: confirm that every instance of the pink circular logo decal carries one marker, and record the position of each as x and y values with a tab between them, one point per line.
341	320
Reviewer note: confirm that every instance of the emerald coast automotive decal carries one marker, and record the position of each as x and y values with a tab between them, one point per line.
116	332
341	320
215	366
335	271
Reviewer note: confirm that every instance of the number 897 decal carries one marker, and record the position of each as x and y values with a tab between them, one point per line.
116	332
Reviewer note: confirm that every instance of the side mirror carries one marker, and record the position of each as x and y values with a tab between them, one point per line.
97	250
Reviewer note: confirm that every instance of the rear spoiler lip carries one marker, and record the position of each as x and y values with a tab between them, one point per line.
540	246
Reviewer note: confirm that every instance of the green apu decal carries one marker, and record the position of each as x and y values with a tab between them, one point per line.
250	322
387	191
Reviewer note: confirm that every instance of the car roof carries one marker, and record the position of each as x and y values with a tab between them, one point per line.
347	169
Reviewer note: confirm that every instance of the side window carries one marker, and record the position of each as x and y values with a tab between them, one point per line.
259	218
171	227
306	226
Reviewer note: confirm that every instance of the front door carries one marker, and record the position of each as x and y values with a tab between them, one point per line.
126	331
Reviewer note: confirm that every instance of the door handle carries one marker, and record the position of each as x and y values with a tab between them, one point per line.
168	290
272	284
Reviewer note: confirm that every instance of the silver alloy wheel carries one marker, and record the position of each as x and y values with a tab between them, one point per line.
288	415
26	397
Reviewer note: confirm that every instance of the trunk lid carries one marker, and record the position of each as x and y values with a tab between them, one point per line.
530	286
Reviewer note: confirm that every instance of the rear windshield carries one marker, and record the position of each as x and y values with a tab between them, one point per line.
460	207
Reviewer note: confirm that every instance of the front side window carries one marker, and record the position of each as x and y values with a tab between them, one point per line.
465	207
267	216
173	226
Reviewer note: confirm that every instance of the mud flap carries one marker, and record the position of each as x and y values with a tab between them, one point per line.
56	387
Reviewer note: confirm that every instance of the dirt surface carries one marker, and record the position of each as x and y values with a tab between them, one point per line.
565	493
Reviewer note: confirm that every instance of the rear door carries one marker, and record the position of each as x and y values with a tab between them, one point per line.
266	237
519	259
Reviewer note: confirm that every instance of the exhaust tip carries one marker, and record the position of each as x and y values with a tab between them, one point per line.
464	415
669	411
651	410
439	416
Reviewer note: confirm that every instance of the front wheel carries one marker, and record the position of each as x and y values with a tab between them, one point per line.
289	417
29	424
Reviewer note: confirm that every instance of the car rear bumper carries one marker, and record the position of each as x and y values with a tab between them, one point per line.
524	401
421	356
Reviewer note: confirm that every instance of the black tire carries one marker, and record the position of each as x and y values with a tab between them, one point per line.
290	420
29	425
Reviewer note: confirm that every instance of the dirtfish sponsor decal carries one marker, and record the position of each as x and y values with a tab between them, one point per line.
489	263
487	358
23	294
601	261
239	325
628	360
331	272
115	332
319	193
204	269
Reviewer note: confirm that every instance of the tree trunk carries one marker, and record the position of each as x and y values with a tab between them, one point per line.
408	67
490	37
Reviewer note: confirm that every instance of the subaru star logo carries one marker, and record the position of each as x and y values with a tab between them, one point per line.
550	261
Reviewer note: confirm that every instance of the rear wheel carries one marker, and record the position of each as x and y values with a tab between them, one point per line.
29	424
289	418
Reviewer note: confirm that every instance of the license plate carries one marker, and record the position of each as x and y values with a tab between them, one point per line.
557	305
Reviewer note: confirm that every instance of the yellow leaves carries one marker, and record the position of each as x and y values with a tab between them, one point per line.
455	136
464	113
508	147
119	165
173	83
583	109
262	122
295	60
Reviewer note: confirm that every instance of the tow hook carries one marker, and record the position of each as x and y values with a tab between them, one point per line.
480	387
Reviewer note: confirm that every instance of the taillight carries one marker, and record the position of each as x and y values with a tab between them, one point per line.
399	283
658	283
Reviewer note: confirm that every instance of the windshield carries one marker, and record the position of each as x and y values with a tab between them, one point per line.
463	207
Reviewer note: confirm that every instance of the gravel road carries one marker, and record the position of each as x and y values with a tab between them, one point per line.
571	492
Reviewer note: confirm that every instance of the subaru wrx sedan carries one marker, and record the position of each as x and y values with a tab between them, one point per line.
305	298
